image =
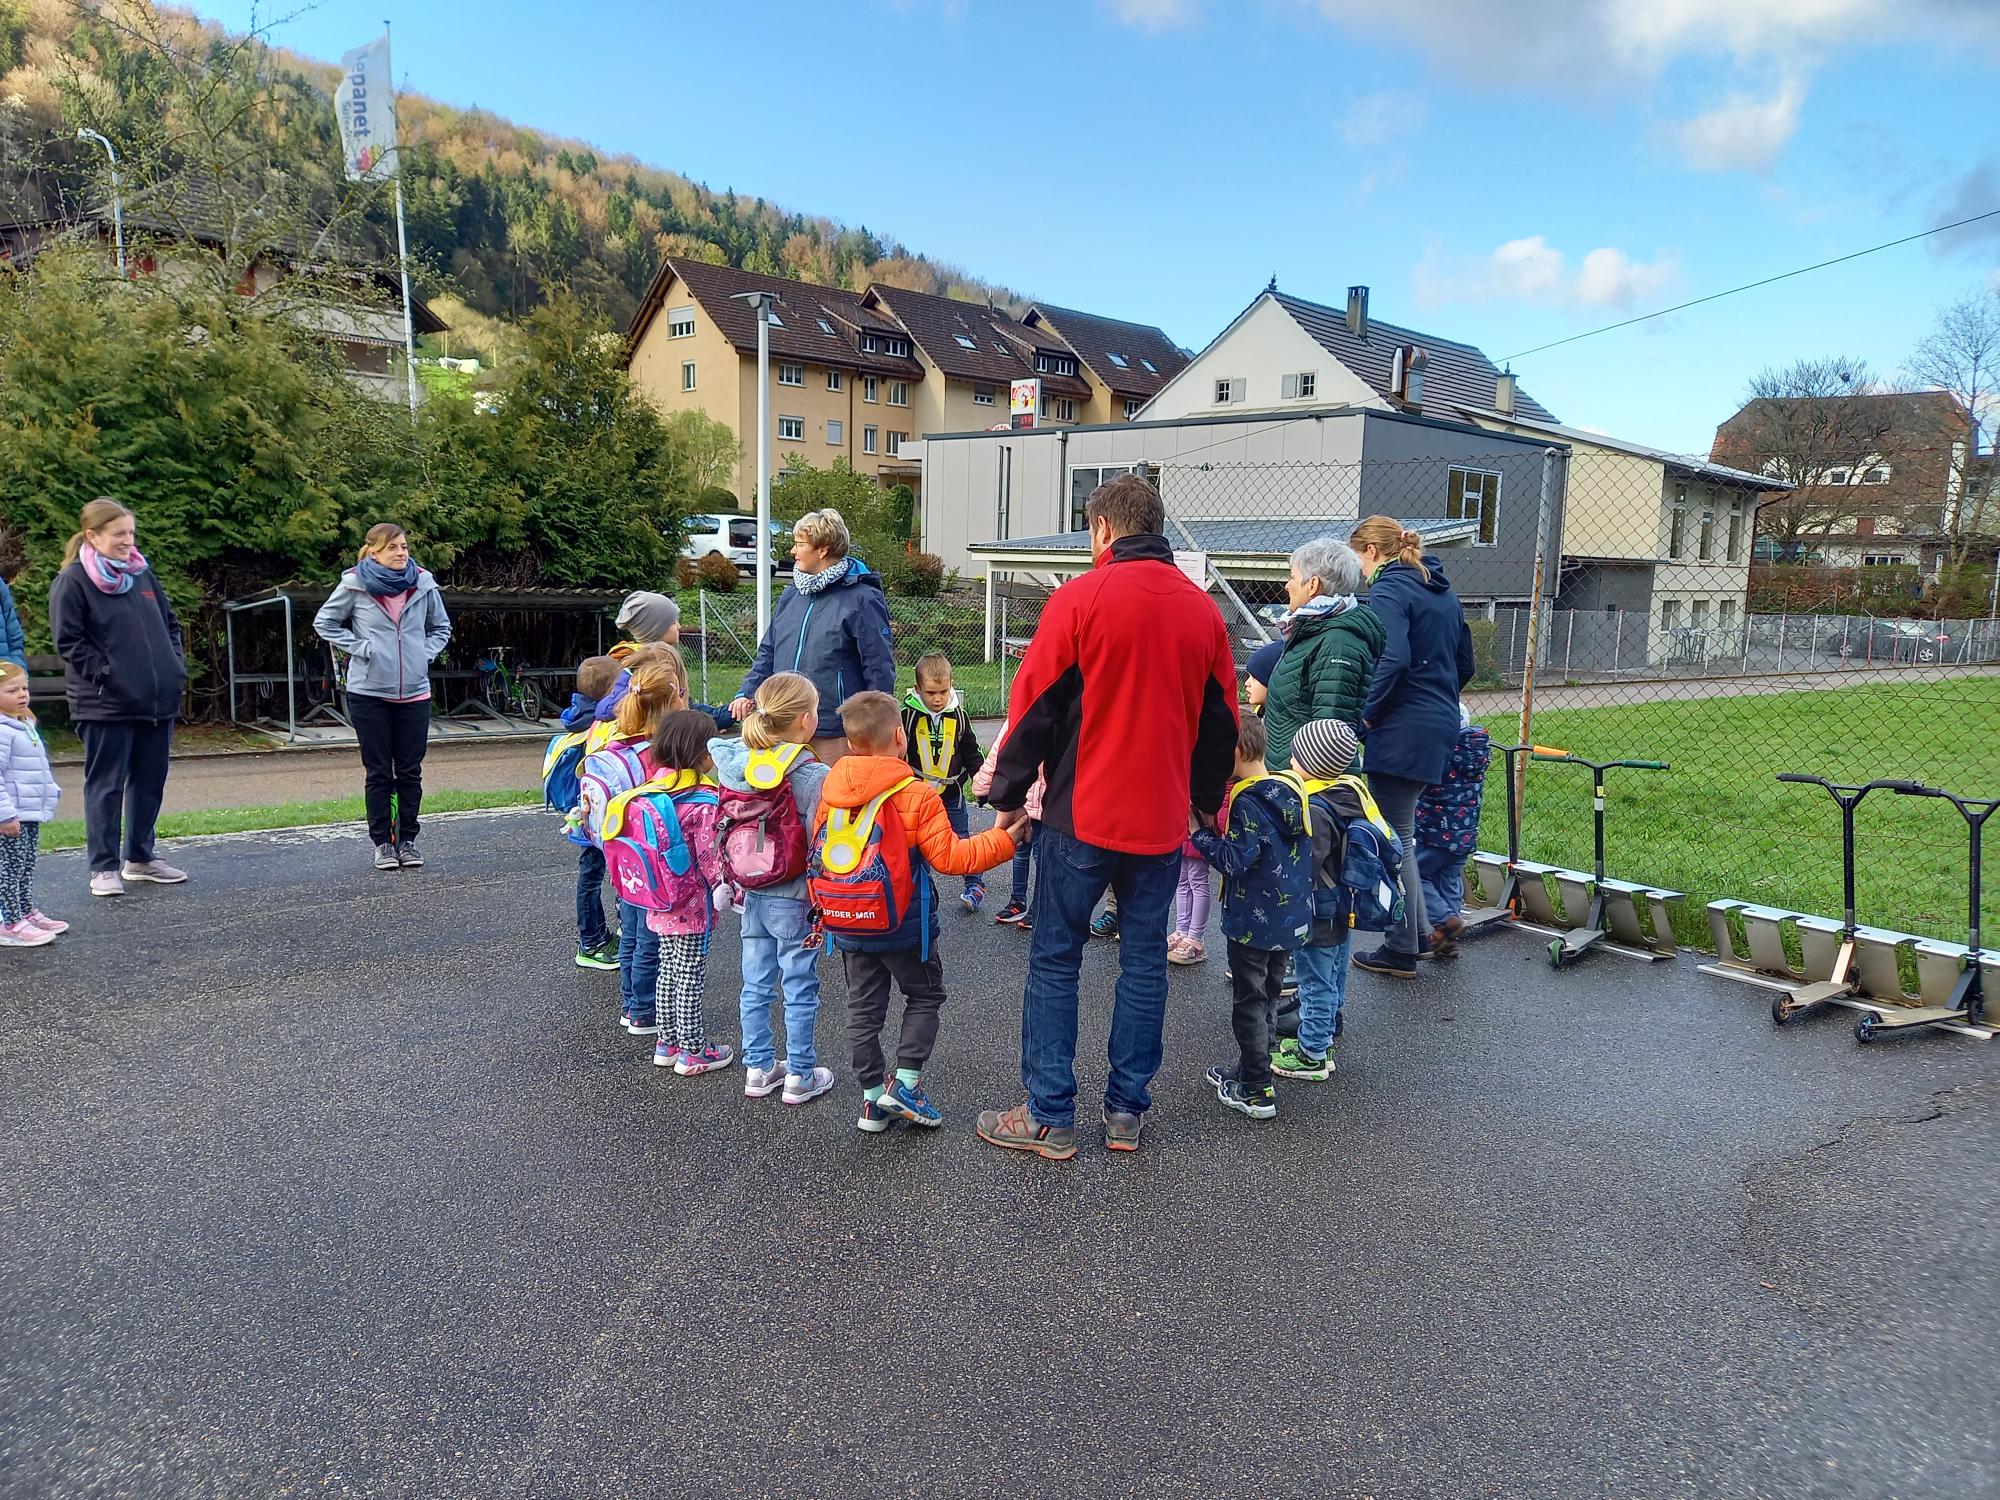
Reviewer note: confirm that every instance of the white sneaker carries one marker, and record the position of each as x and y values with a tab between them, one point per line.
157	871
759	1083
24	935
799	1087
107	883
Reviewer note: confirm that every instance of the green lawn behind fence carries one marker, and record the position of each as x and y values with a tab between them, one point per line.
67	833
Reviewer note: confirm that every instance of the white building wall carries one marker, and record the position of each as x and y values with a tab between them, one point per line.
1259	348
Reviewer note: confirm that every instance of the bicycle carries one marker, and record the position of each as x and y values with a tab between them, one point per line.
503	688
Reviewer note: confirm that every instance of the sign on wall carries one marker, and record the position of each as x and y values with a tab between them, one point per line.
1024	400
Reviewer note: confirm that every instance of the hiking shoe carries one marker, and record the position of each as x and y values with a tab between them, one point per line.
1444	937
1121	1130
665	1054
1258	1104
155	871
1017	1130
714	1055
407	853
385	857
760	1083
907	1101
874	1118
24	934
1013	914
801	1087
603	955
48	924
1290	1060
973	899
1106	925
1386	960
106	883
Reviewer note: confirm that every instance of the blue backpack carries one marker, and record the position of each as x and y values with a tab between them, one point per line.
1371	865
562	768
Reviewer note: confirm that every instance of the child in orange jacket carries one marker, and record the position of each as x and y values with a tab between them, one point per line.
908	956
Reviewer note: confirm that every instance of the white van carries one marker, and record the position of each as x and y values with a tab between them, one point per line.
734	537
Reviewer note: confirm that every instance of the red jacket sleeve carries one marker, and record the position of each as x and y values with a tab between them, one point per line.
1045	694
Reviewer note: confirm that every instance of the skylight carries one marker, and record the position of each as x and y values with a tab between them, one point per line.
1118	360
826	327
1151	368
1002	350
964	342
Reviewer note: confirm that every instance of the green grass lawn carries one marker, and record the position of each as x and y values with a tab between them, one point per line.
1718	823
67	833
978	682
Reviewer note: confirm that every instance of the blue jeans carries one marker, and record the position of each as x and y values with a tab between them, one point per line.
1023	859
1070	878
961	824
638	962
590	928
1442	875
774	934
1322	988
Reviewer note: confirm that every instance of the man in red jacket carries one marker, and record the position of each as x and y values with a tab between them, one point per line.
1127	701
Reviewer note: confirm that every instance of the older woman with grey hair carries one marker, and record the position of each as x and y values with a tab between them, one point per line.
1331	642
831	625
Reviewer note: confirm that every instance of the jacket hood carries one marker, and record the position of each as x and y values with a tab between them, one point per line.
732	759
1280	800
1437	583
22	727
1361	621
855	780
911	700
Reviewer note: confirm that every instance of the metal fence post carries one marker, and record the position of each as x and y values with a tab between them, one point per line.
1004	653
1617	642
703	597
1534	624
1784	625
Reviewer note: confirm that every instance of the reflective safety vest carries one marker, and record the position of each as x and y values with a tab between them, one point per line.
937	748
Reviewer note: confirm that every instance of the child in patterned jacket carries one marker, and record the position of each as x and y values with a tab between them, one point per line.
1448	829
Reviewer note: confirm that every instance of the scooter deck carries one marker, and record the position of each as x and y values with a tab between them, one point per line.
1908	1017
1821	991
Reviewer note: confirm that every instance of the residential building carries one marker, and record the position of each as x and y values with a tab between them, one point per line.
1126	364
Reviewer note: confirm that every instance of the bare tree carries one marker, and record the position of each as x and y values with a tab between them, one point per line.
1804	424
1961	356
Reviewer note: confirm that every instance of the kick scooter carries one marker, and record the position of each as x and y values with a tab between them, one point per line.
1588	933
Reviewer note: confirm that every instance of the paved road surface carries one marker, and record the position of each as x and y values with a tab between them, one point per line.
321	1181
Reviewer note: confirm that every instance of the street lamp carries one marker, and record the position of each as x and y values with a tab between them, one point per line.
117	205
762	301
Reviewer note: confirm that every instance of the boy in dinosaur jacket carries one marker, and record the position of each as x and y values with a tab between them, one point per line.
944	750
1266	859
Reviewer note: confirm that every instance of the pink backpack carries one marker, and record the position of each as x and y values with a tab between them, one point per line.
651	863
762	841
607	775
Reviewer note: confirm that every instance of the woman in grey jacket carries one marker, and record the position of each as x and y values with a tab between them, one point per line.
386	613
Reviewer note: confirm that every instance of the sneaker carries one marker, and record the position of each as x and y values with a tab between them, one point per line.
1258	1104
714	1055
665	1054
156	871
407	853
48	924
874	1118
602	956
24	934
1444	937
907	1101
1013	914
973	899
385	857
636	1027
800	1087
1121	1130
1191	951
759	1083
1017	1130
106	883
1386	960
1290	1060
1106	925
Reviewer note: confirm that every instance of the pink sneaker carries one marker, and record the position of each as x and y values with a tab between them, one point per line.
47	924
714	1055
24	934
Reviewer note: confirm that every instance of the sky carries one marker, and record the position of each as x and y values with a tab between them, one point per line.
1503	175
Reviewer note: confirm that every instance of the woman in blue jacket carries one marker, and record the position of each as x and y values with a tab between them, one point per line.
13	642
1410	720
831	625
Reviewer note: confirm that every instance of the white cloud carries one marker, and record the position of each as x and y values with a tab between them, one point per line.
1743	133
1374	120
1154	15
1533	270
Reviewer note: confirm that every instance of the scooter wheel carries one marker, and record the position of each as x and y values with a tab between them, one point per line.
1781	1008
1864	1029
1556	953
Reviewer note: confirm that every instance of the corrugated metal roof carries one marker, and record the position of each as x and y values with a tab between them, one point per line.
1679	463
1262	536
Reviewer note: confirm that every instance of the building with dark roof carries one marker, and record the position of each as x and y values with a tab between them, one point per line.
1127	364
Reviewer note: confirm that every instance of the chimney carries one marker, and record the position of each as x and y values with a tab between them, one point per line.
1503	394
1357	311
1414	396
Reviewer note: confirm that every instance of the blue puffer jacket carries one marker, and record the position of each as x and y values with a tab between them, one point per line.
838	637
28	789
1410	720
1267	866
13	644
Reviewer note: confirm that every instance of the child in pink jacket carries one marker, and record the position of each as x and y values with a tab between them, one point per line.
681	761
1015	912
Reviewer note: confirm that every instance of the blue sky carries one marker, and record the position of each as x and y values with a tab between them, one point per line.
1505	175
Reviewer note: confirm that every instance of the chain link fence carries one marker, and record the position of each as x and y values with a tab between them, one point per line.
1627	605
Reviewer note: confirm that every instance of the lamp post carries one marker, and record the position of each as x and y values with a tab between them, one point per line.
117	204
761	301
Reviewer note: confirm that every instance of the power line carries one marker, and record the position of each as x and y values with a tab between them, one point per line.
1753	285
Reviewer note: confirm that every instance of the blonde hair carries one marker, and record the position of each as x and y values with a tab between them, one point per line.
1388	535
781	699
9	670
871	720
97	515
379	536
825	530
929	667
658	686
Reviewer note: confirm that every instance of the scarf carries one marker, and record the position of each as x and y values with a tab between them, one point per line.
381	581
1319	604
110	576
815	583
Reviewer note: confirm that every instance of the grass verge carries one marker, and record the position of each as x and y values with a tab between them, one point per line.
67	833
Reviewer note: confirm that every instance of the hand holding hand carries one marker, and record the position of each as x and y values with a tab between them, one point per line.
741	708
1014	822
11	828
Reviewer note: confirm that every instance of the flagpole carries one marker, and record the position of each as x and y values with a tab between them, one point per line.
403	263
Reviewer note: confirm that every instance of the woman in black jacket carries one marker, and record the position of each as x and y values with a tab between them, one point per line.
124	665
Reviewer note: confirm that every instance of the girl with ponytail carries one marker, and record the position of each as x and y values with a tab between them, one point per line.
1411	718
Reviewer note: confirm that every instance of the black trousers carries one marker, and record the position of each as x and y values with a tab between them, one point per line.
124	778
393	738
868	978
1254	977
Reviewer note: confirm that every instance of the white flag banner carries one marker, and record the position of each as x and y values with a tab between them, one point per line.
365	103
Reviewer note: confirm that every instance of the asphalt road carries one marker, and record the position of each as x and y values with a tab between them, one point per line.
321	1181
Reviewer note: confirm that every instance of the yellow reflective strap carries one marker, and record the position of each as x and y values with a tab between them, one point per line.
613	820
766	769
1291	779
847	831
935	754
561	745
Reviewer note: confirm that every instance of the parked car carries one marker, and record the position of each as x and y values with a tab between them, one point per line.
1919	641
734	537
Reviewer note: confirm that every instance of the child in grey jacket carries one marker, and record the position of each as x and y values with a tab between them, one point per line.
28	795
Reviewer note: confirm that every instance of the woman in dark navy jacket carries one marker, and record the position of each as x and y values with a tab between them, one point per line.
1411	717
